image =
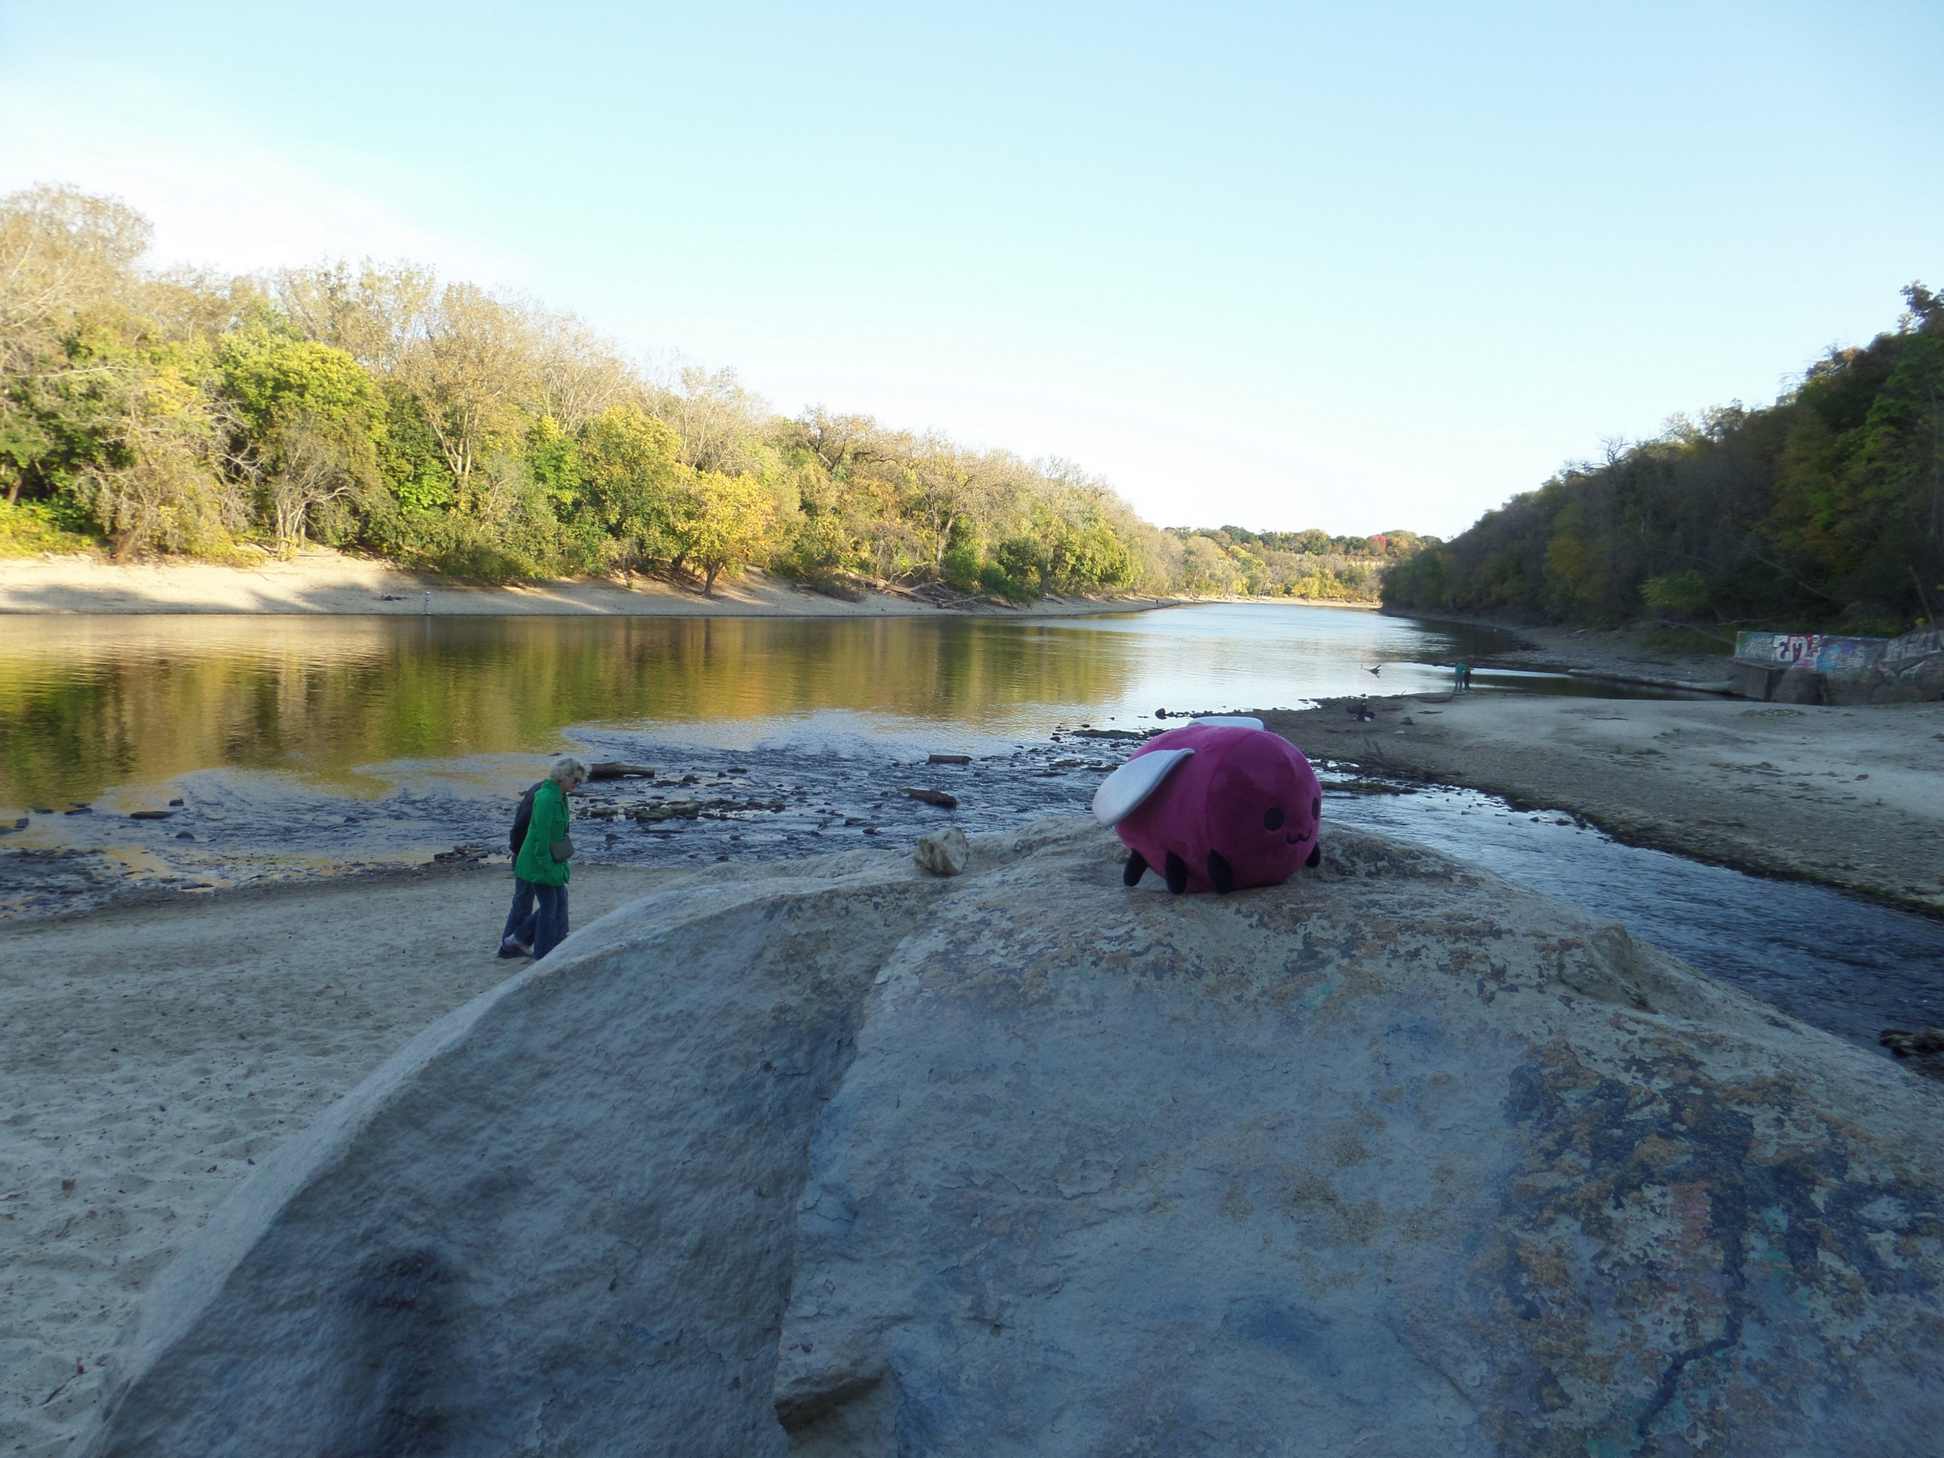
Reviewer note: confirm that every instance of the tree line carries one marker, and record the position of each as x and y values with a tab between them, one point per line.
461	431
1825	510
1311	565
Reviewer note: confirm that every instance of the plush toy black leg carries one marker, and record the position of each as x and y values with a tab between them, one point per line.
1136	865
1176	871
1220	873
1315	856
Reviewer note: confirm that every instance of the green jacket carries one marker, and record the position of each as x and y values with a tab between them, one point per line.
535	861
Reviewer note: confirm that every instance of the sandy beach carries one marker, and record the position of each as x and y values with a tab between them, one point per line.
325	581
1853	797
153	1053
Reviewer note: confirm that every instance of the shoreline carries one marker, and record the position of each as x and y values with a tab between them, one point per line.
1622	655
1851	798
324	582
164	1045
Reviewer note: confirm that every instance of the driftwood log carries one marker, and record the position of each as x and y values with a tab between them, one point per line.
614	769
934	797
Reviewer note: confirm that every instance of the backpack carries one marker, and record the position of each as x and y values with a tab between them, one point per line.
522	818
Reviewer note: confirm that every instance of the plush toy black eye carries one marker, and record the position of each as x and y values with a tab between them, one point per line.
1272	818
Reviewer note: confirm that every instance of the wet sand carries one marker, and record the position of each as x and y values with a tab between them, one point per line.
1851	797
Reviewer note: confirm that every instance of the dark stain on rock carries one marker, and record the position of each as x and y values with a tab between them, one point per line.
1666	1132
399	1304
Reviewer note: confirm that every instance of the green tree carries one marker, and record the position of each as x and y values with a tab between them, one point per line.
725	522
630	471
306	425
472	372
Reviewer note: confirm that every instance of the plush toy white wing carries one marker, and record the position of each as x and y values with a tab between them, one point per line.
1247	721
1122	791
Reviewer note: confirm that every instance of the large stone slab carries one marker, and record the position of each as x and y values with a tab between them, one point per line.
839	1158
557	1222
1394	1161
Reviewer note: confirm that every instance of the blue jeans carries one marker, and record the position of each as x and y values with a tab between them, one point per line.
520	920
550	920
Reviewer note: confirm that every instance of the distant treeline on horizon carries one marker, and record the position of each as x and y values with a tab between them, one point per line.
448	428
1824	510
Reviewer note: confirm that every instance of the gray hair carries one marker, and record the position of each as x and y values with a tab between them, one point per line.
567	769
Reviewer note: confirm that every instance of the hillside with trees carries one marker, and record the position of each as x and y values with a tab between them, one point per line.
1825	510
1311	566
442	426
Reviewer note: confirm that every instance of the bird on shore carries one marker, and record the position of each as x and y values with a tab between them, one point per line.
1373	672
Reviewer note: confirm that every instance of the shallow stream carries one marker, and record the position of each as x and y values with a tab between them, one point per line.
308	746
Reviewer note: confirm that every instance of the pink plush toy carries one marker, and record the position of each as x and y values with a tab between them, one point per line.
1221	803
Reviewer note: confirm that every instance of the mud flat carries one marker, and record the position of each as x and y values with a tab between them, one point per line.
1850	797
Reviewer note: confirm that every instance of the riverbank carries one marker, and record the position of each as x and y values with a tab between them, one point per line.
329	582
1850	797
1628	655
155	1053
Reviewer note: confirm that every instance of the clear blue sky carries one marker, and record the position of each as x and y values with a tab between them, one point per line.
1356	267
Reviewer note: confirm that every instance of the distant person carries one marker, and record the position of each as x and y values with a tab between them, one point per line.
542	863
516	940
1461	675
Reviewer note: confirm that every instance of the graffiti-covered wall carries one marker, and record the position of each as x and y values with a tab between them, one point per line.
1822	668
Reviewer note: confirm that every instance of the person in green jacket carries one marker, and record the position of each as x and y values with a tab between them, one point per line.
542	861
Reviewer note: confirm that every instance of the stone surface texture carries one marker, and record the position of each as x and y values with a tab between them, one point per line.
943	852
838	1158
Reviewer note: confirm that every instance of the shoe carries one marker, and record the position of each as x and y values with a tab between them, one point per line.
509	948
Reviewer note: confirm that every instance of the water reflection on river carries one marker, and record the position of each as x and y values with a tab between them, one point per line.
92	702
303	744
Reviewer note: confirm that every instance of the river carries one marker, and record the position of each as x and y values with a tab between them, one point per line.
305	745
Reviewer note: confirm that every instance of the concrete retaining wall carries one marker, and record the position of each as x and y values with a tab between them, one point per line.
1816	668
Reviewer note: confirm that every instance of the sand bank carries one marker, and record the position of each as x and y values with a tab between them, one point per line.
151	1055
323	581
1621	653
1852	797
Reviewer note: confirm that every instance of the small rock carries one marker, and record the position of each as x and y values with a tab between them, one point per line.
175	804
184	835
80	810
150	814
943	852
934	797
949	759
43	810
